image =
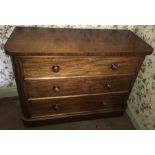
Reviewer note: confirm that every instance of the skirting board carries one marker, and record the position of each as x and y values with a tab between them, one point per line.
136	123
8	92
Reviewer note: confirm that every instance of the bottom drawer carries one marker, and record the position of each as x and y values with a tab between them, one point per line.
70	105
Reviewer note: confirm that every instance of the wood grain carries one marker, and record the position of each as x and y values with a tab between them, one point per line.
74	105
77	86
49	41
41	67
46	120
19	77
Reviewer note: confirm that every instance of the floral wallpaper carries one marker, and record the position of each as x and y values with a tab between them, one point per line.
6	73
142	96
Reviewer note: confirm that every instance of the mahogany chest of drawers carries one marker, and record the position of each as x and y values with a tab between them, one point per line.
73	74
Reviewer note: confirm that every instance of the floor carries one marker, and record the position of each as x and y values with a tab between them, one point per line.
10	115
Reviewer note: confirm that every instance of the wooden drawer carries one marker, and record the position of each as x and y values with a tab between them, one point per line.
61	106
76	86
45	67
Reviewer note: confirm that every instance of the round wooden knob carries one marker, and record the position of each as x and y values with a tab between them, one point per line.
114	66
56	107
108	85
104	103
56	88
55	68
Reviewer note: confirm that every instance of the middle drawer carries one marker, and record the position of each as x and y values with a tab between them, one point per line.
76	86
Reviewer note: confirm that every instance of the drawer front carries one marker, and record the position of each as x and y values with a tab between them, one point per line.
41	67
61	106
76	86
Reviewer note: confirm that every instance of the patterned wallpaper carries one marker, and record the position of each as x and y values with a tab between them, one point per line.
142	97
6	73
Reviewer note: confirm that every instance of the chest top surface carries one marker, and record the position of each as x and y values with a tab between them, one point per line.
29	41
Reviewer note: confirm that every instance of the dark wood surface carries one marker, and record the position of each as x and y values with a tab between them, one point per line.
77	86
70	105
38	121
65	74
11	120
19	77
49	41
41	67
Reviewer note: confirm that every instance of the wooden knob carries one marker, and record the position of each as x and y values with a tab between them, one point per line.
55	68
108	85
114	66
104	103
56	88
56	107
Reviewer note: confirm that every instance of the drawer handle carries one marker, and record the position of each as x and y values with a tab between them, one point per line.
104	103
56	88
56	107
55	68
108	85
114	66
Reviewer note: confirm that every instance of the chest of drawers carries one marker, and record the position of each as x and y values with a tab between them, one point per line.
73	74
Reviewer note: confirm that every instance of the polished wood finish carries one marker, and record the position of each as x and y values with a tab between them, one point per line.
19	76
117	111
42	67
70	105
47	41
73	74
76	86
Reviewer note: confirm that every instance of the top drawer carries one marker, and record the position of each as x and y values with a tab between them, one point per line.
61	66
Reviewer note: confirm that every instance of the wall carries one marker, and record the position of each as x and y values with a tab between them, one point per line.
6	73
142	98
